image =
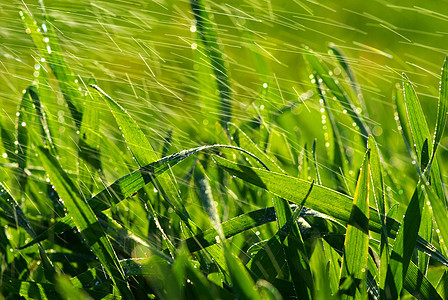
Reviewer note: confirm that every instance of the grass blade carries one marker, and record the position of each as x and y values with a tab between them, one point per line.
323	73
442	108
209	38
89	160
356	246
144	154
291	189
46	43
404	246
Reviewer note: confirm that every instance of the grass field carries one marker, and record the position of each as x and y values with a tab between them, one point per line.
223	149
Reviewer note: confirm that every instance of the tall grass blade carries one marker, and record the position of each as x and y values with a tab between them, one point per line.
442	108
356	245
404	245
46	43
89	160
85	220
205	27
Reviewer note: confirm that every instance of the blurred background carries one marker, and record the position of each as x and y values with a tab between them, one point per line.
147	55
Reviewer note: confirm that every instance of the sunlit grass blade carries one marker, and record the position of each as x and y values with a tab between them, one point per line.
425	231
85	220
378	189
291	189
205	27
356	245
45	41
420	133
323	73
401	119
442	108
417	121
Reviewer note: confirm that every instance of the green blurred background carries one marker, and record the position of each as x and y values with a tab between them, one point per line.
148	57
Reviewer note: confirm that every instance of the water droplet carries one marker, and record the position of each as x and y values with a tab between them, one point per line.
5	155
265	85
193	28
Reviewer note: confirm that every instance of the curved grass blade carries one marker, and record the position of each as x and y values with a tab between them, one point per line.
419	127
129	184
209	38
356	245
144	154
243	140
85	220
402	119
291	189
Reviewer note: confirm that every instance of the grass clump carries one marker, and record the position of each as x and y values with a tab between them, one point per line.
230	219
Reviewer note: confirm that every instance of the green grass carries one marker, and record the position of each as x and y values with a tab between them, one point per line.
247	213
